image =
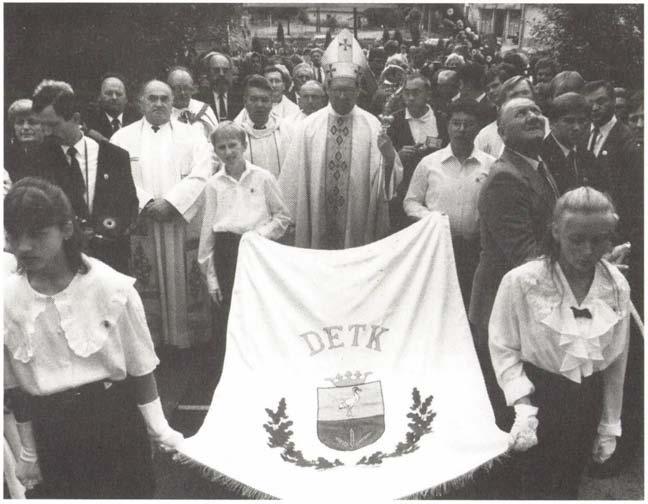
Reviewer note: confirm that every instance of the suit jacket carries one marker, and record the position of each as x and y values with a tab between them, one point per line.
401	135
515	207
114	205
614	158
587	171
234	101
96	119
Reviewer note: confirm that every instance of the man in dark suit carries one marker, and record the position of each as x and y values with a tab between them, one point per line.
563	149
96	176
415	132
610	141
515	207
112	110
222	97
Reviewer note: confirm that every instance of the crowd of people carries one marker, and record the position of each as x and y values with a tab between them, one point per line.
127	215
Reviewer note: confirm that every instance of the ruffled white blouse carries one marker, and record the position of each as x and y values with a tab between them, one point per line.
533	321
94	329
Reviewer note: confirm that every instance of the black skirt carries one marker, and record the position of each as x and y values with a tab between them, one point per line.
568	416
92	444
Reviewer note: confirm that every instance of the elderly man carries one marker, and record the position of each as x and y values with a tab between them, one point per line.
302	73
312	97
445	90
186	109
112	111
449	180
96	176
564	148
171	162
224	98
316	63
341	167
268	137
515	208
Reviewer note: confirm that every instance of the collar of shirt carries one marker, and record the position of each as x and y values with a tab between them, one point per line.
606	128
533	162
446	154
149	126
222	173
111	118
423	118
480	97
80	146
565	150
332	111
216	95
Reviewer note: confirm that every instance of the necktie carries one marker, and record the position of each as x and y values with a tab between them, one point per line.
155	129
573	167
115	124
319	74
542	170
77	186
595	133
222	108
584	313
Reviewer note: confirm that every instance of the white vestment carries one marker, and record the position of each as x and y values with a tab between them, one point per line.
266	147
173	164
206	123
285	108
302	181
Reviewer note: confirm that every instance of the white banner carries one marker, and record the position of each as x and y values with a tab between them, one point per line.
348	373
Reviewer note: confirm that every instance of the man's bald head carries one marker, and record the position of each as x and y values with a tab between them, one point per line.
182	84
219	70
312	97
447	84
112	96
521	125
156	101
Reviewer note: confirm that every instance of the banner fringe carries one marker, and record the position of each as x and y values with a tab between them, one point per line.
459	482
249	492
222	479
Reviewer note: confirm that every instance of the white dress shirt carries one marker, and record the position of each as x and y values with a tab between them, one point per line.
442	183
252	203
604	133
422	127
532	321
87	149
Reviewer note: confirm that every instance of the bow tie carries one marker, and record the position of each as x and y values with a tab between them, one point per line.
584	313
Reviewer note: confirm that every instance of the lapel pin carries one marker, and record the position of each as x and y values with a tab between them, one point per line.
105	176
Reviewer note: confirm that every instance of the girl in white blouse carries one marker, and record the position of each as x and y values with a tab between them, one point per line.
79	359
559	334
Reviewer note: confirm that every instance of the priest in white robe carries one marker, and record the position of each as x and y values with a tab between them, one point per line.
268	138
185	108
171	162
341	168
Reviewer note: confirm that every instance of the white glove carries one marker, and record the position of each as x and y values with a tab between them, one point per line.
27	468
523	433
604	446
157	426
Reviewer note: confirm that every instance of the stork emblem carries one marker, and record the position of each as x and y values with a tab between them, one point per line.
350	414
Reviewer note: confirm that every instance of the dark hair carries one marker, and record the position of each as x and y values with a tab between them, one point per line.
472	74
636	101
58	94
256	81
517	60
592	86
568	103
546	63
503	72
567	81
33	203
467	106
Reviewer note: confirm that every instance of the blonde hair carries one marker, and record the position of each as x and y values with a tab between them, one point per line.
229	129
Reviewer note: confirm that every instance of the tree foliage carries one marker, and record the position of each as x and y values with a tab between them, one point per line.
80	42
601	41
